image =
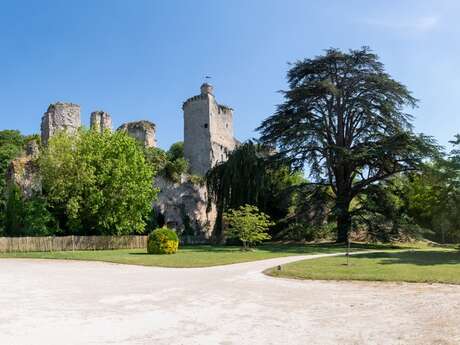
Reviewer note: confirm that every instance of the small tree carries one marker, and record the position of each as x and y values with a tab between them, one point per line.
247	224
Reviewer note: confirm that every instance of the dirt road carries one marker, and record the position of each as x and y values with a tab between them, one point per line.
75	302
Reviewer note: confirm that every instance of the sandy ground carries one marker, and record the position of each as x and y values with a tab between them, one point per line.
75	302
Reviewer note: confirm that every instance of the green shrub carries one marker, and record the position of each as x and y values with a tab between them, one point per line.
162	241
248	225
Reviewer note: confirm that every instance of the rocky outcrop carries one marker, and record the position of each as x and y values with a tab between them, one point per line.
142	131
60	117
101	121
184	207
23	172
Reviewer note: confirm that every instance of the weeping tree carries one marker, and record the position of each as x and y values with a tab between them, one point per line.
250	177
345	118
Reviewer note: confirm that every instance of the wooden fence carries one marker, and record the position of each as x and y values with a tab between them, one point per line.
52	243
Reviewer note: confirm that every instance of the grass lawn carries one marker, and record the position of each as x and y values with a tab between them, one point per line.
193	255
421	266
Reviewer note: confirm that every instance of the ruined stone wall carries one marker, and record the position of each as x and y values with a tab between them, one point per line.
142	131
184	206
100	121
60	117
222	141
208	139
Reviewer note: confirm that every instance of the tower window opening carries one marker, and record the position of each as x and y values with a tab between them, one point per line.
205	125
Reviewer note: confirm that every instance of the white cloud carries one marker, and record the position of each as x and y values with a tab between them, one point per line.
417	24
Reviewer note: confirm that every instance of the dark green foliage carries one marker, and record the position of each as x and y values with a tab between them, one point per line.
307	231
162	241
177	164
26	217
13	210
156	157
382	211
11	145
170	164
175	168
176	151
346	118
249	177
434	197
241	179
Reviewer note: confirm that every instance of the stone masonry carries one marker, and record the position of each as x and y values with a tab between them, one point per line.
208	131
184	206
100	121
24	172
60	117
142	131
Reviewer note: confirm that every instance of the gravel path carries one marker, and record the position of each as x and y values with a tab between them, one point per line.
76	302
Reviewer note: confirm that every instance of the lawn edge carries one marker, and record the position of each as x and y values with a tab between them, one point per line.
267	272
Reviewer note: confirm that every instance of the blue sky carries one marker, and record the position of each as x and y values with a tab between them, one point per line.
141	59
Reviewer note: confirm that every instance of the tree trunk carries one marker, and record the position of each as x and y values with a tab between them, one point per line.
343	221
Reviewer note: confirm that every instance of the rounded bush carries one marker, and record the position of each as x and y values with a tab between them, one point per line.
162	241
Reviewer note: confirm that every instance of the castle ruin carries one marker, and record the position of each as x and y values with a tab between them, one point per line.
208	131
100	121
142	131
59	117
184	205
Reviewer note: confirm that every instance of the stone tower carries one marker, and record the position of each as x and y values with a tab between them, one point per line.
100	121
60	117
142	131
208	131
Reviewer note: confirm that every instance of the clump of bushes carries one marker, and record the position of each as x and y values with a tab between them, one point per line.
170	164
162	241
302	231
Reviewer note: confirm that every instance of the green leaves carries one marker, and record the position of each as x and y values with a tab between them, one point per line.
170	164
247	224
344	116
11	145
434	197
26	217
249	177
99	183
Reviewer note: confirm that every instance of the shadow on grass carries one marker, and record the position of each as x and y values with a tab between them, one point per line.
290	248
422	258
